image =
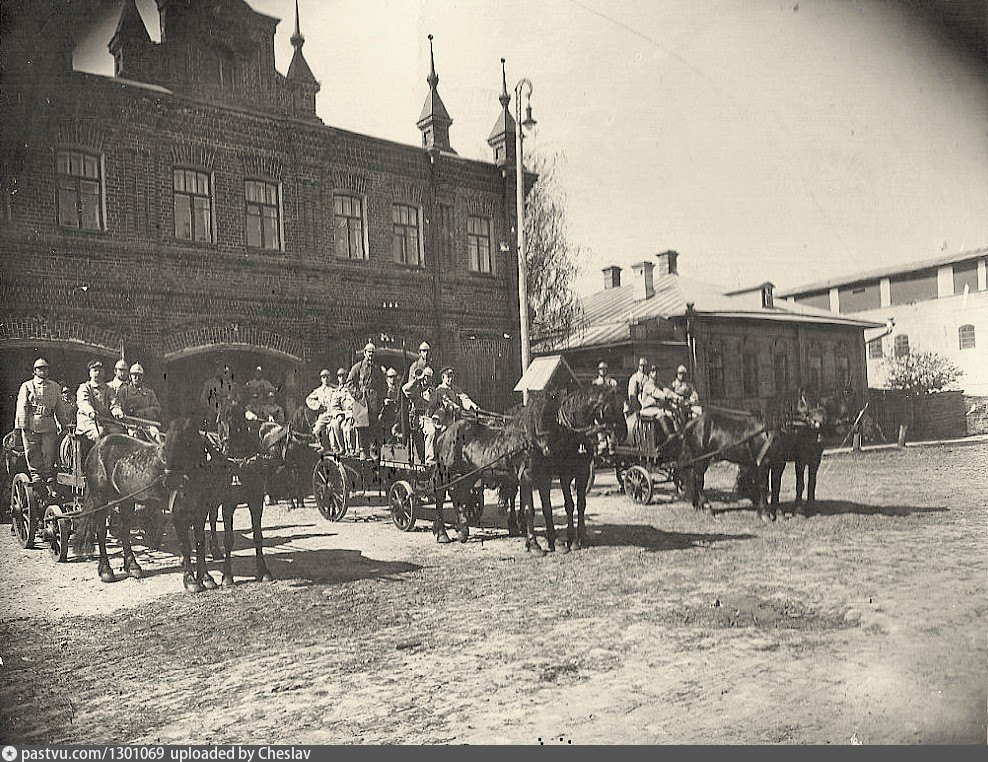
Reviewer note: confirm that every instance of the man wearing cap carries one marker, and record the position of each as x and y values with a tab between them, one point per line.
420	390
260	397
605	439
120	376
392	403
445	404
367	384
40	415
138	400
685	391
603	377
636	384
95	400
325	399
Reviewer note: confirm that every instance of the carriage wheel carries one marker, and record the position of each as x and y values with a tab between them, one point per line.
57	532
474	509
23	510
592	477
330	488
403	504
638	484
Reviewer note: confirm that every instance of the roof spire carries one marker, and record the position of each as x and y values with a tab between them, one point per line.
434	121
297	39
504	97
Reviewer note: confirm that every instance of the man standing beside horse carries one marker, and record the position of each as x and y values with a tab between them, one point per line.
368	386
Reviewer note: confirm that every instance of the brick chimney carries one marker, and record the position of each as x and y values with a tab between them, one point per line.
644	288
667	262
612	277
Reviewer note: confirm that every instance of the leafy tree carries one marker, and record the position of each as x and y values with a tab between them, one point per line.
553	262
920	373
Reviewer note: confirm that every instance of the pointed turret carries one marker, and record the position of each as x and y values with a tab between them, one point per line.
300	76
502	137
434	120
129	43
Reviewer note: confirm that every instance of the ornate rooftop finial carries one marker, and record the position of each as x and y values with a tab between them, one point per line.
297	39
433	78
504	97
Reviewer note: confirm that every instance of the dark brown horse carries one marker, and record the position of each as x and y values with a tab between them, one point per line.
291	444
723	434
120	471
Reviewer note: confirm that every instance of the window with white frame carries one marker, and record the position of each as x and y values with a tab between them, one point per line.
406	239
875	349
965	337
479	244
193	202
901	345
80	190
263	214
348	213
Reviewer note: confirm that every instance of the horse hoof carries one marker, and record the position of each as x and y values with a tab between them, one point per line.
209	583
227	581
192	585
134	571
265	576
564	548
462	535
514	532
106	575
535	549
442	538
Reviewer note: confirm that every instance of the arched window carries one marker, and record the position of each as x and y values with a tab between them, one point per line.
842	366
901	345
965	336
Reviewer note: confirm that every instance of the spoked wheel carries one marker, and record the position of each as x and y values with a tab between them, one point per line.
638	484
403	504
57	531
23	510
330	488
474	509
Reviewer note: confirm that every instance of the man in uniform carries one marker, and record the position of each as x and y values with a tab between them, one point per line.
367	384
260	397
605	439
94	400
137	399
636	384
120	376
685	391
214	391
40	416
421	362
420	391
331	402
445	405
392	404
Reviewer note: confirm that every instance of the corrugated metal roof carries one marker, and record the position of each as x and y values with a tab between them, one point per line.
541	373
609	314
883	272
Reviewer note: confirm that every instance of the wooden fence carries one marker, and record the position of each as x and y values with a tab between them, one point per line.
935	416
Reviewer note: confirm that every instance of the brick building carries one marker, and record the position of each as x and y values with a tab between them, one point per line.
194	208
938	304
744	347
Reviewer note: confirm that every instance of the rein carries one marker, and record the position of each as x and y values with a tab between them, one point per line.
474	472
715	453
115	502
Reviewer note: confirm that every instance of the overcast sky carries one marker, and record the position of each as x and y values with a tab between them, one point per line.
762	140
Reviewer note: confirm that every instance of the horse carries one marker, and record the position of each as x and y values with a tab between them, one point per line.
235	475
120	471
723	434
291	442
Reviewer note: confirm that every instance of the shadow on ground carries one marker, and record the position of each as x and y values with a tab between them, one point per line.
652	539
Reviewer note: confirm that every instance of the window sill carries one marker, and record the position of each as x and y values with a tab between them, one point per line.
84	231
198	244
480	274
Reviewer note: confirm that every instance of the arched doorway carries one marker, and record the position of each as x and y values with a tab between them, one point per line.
68	363
187	370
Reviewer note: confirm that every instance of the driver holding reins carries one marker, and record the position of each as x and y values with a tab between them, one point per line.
445	403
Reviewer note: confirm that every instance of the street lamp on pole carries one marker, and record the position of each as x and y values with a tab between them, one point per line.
524	85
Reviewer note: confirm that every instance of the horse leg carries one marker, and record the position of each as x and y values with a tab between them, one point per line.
800	466
228	510
765	512
565	483
439	523
214	543
550	524
776	470
256	506
528	509
202	574
181	521
812	467
462	525
105	572
582	480
696	477
130	565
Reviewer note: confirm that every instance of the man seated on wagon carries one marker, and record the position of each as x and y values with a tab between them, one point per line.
138	400
390	425
261	398
685	392
419	390
657	404
445	404
96	406
605	439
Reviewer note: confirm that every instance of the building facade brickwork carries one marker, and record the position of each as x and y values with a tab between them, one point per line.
138	285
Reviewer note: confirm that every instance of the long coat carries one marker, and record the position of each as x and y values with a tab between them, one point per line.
369	385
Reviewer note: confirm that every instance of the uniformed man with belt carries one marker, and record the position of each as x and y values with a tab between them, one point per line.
419	391
96	400
40	415
137	399
120	376
368	386
446	401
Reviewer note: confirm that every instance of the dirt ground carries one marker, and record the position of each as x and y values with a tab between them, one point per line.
864	623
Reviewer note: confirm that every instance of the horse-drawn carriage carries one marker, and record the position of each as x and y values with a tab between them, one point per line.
645	462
